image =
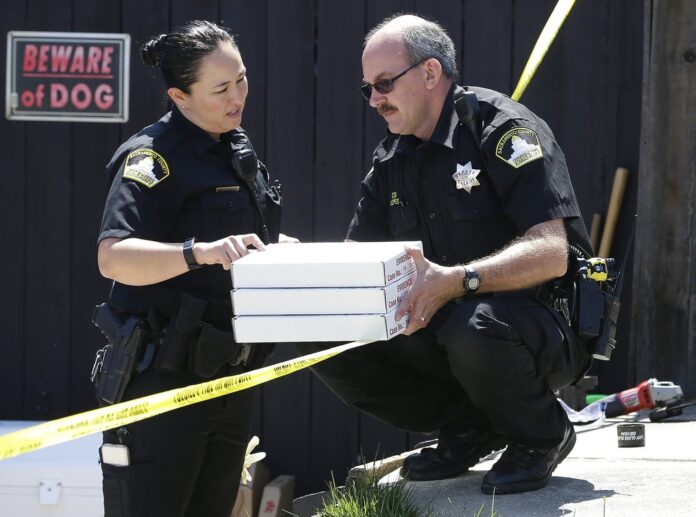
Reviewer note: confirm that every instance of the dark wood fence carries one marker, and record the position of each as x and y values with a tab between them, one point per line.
316	134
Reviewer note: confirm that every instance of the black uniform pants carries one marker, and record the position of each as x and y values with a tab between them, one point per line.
186	462
485	363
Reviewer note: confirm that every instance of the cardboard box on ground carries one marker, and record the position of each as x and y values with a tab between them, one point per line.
321	292
263	498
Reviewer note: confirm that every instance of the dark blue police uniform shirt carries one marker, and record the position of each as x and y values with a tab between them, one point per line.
172	181
522	180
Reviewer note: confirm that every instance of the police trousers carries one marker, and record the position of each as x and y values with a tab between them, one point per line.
486	363
186	462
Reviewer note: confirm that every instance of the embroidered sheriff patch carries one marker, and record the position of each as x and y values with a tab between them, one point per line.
146	166
518	147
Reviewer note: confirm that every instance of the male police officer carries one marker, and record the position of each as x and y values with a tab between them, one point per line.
485	187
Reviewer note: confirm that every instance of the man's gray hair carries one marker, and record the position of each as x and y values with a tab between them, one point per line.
425	40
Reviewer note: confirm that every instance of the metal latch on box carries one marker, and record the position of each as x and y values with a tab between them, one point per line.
49	492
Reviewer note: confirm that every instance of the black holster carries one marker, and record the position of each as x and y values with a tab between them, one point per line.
116	363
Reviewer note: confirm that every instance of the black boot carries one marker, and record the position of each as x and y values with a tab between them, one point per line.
522	468
454	455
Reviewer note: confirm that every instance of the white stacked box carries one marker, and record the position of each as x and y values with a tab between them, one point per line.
321	292
61	480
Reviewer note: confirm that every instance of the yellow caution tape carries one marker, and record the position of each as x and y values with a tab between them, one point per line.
548	34
117	415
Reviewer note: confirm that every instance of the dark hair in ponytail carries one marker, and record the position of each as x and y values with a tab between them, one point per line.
178	53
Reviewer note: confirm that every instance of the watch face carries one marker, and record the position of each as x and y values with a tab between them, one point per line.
473	283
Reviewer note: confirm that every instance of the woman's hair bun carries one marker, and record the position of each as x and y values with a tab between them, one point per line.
151	51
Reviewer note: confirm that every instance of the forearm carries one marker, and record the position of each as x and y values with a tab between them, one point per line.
135	261
538	256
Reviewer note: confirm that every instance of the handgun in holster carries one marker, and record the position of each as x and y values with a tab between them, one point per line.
116	363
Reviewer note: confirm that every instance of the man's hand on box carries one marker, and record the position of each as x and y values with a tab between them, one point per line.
435	285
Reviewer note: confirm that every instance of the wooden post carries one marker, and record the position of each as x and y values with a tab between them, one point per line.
663	338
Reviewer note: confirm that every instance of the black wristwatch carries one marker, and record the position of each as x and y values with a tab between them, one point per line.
188	254
471	281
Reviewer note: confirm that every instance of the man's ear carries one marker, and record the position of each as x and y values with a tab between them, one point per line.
177	96
433	73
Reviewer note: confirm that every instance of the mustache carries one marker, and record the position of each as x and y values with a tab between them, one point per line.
385	108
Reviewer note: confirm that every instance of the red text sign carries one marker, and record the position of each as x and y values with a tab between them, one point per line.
67	76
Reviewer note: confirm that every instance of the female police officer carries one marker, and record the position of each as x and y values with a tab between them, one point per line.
187	197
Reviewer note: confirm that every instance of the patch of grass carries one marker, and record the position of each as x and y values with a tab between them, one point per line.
365	497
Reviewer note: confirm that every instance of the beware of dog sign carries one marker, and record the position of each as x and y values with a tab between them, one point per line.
67	76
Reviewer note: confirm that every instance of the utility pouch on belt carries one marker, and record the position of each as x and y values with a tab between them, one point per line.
115	364
214	348
596	305
174	348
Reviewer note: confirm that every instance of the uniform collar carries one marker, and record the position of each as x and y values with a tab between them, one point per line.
448	121
202	141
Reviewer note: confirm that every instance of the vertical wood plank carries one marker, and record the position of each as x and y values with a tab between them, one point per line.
623	73
183	11
92	145
338	171
48	254
290	110
664	287
148	100
13	180
339	121
289	153
486	48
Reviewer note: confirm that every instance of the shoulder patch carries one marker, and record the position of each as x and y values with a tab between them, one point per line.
146	167
518	147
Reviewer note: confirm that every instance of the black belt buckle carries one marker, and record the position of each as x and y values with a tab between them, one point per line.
243	355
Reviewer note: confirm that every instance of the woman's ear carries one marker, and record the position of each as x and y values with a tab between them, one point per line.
178	97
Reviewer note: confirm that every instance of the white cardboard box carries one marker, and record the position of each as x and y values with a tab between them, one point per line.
62	480
325	264
321	300
324	327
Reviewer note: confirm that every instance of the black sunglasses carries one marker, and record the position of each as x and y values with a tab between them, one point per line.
384	86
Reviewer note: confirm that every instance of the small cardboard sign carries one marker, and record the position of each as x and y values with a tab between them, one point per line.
67	76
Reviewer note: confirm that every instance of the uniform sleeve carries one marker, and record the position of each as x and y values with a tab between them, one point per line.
370	221
142	201
530	174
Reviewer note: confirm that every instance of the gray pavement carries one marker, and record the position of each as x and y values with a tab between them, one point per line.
597	479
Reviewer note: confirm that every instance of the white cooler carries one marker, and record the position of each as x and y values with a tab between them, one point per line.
61	480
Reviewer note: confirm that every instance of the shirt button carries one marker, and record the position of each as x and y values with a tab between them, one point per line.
444	259
432	215
230	204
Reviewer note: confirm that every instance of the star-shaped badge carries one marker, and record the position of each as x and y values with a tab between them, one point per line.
465	177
